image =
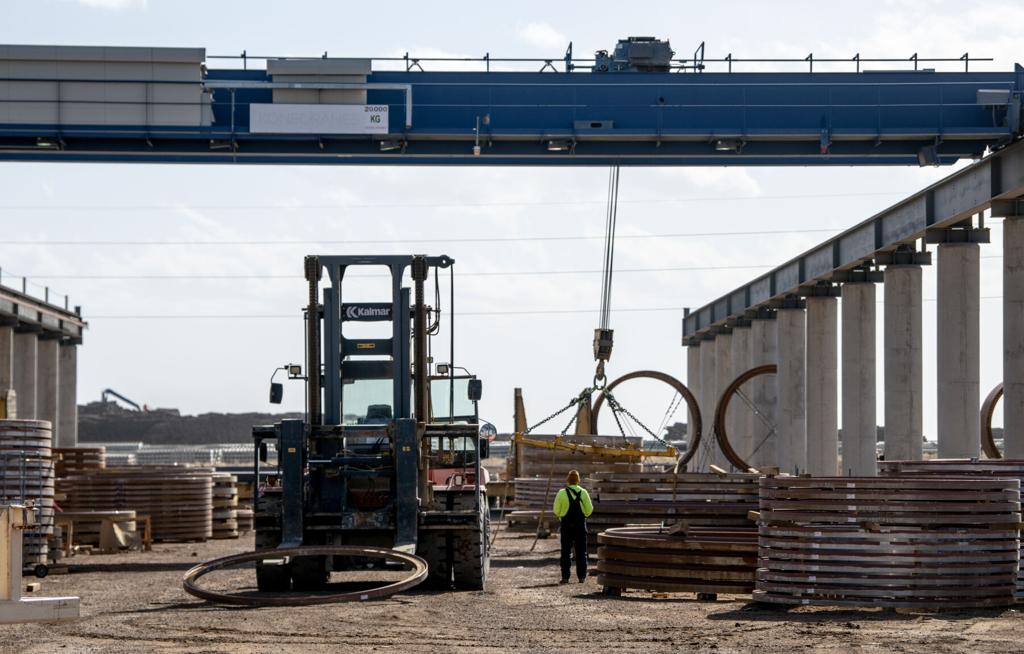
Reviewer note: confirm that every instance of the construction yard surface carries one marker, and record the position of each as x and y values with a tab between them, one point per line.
134	603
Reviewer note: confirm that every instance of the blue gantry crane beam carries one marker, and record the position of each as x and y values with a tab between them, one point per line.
637	106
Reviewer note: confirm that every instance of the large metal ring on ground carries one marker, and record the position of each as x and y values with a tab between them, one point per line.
416	576
721	435
988	408
691	403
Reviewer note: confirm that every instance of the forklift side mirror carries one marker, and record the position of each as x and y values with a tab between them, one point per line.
485	449
475	389
276	392
263	452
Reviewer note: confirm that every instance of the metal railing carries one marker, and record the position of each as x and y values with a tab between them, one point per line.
698	63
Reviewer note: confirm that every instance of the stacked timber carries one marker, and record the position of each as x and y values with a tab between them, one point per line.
244	512
178	500
696	499
87	526
542	472
973	468
698	559
68	461
26	476
910	542
225	505
534	497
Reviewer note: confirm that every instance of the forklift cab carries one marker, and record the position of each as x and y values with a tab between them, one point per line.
453	399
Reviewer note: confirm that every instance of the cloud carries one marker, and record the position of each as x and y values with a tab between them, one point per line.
114	5
543	35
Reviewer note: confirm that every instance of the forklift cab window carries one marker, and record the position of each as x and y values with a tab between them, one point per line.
465	409
367	402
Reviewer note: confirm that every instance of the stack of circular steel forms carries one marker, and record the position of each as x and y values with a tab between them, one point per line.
543	462
26	476
984	469
178	500
68	461
699	499
701	560
888	542
225	505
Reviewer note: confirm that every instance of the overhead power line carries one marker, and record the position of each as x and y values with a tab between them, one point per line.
425	205
482	273
481	239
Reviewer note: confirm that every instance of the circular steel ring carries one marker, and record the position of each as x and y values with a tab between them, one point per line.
691	402
721	435
988	408
416	576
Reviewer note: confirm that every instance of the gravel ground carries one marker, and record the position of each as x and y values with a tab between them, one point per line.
134	603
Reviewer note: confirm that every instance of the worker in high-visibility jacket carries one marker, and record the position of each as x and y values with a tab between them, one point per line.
573	507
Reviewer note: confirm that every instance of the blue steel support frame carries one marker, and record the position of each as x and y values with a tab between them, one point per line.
578	118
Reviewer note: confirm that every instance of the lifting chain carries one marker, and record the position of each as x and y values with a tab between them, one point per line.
584	396
617	408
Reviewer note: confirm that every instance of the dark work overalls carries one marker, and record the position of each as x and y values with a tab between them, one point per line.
574	536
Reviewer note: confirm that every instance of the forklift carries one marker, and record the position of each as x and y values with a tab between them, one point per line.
389	453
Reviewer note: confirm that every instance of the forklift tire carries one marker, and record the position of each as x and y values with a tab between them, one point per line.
272	578
433	549
472	552
309	573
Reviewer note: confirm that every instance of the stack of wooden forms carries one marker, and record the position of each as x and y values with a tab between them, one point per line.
87	526
911	542
543	471
68	461
984	469
225	505
26	476
178	500
244	512
698	560
696	499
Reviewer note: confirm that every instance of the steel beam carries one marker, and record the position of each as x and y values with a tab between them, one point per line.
991	182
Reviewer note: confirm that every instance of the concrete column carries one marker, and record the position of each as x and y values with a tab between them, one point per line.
739	422
67	408
822	386
723	377
6	358
958	367
903	382
763	336
25	351
790	389
47	386
1013	337
860	432
692	382
707	391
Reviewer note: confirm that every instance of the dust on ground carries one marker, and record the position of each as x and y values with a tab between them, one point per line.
133	602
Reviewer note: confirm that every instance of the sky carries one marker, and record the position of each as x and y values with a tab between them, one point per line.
528	306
